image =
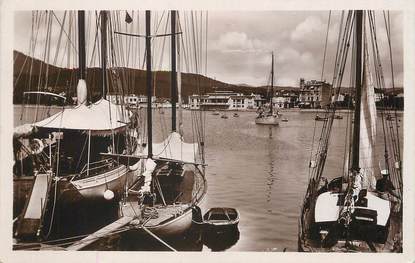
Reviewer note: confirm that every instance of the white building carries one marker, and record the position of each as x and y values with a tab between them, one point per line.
131	100
280	102
225	100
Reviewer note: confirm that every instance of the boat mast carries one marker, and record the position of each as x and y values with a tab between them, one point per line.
81	44
179	87
272	83
358	91
104	52
149	85
173	71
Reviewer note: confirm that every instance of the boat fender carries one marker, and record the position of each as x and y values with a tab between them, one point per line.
37	146
197	214
108	194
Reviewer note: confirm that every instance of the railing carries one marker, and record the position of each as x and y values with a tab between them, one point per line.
95	168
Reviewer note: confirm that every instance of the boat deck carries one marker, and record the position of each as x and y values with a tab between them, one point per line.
179	200
163	213
392	244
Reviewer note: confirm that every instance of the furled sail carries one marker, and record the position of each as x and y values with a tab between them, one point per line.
174	148
367	162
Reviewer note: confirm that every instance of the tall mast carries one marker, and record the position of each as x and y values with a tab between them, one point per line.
173	71
149	85
272	82
179	87
358	92
81	44
104	52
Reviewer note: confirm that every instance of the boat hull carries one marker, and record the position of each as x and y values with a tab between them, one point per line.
268	120
115	180
172	220
173	227
214	228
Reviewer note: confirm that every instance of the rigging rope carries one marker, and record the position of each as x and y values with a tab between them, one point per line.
325	46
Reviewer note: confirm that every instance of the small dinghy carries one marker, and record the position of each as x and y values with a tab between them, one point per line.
221	219
215	113
319	118
235	115
224	116
284	120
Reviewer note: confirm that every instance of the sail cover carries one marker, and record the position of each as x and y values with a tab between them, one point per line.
174	148
367	162
101	117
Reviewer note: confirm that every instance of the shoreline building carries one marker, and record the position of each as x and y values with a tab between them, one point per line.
314	94
225	100
285	99
130	100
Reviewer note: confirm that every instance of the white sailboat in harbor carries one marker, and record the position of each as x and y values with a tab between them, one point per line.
267	116
361	209
173	183
75	138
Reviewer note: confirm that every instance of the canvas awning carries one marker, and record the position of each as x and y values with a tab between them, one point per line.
101	117
174	148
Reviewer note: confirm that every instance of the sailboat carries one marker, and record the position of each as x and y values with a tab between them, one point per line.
267	117
173	183
68	146
360	210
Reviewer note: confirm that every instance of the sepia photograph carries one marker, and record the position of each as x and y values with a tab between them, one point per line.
192	130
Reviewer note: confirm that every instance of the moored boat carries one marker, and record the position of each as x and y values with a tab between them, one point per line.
267	116
319	118
67	148
267	120
173	182
221	219
170	213
360	210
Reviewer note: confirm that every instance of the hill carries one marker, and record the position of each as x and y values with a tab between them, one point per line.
30	75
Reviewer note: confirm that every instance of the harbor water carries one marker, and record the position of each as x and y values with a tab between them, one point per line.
261	171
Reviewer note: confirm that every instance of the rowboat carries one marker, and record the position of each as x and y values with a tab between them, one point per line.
221	219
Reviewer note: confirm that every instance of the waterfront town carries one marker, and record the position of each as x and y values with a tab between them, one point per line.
311	94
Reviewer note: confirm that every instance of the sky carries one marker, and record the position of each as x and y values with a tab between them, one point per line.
239	44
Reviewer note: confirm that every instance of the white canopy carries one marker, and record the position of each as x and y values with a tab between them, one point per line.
100	116
173	147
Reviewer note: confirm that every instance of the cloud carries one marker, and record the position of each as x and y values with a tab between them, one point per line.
238	42
307	29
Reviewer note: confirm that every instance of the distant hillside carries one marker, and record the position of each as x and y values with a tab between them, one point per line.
27	71
133	81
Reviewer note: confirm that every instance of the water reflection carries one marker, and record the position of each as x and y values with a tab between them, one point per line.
271	172
130	241
193	240
220	241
